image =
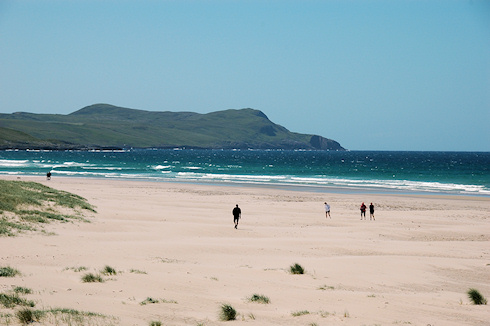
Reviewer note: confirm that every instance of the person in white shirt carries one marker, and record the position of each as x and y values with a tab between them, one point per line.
327	211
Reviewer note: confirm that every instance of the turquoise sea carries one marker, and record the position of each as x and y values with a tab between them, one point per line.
466	173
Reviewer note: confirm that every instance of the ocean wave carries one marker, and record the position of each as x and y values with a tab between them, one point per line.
13	163
161	167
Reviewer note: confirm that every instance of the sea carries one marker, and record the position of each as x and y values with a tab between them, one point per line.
448	173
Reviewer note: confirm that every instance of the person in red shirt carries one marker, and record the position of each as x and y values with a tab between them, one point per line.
363	210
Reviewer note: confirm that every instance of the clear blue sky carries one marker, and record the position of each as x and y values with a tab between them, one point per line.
376	75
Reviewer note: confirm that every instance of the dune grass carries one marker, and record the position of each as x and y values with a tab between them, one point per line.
476	297
300	313
22	290
14	300
296	269
227	312
155	323
76	268
259	298
149	300
65	316
92	278
137	271
153	300
25	316
24	205
108	270
8	272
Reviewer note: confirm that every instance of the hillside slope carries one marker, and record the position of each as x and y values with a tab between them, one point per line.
108	126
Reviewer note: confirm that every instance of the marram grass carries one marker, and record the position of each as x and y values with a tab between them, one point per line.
108	270
92	278
13	300
25	316
259	298
296	269
23	205
476	297
227	312
8	272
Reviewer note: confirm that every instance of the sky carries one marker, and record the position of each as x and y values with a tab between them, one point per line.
373	75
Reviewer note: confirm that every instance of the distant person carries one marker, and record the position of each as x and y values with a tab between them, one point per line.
327	211
371	212
237	213
48	176
363	210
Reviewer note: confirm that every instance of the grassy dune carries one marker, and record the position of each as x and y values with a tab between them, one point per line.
26	206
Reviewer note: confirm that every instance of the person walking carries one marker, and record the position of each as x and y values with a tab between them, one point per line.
371	212
327	211
237	213
363	210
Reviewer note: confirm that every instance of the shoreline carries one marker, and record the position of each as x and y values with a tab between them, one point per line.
412	265
287	187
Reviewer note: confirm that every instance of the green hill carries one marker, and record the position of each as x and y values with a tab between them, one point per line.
108	126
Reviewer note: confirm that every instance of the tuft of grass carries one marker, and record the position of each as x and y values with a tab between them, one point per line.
227	312
25	316
149	300
8	272
13	300
296	269
300	313
92	278
476	297
259	298
22	290
155	323
108	270
79	269
137	271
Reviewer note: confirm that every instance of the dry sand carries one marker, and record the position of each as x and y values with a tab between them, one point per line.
412	266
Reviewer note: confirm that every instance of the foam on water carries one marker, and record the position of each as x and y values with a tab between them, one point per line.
431	172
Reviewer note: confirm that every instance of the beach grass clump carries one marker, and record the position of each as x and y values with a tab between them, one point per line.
8	272
23	205
227	312
13	300
108	270
476	297
296	269
155	323
149	300
92	278
137	271
79	269
259	298
25	316
22	290
300	313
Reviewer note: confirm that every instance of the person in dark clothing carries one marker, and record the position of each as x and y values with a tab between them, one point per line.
48	176
363	211
237	213
371	212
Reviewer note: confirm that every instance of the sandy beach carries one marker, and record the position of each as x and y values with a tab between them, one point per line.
175	243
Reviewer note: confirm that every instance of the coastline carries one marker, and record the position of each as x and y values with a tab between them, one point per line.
413	265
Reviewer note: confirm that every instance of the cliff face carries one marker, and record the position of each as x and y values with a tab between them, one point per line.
322	143
107	126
